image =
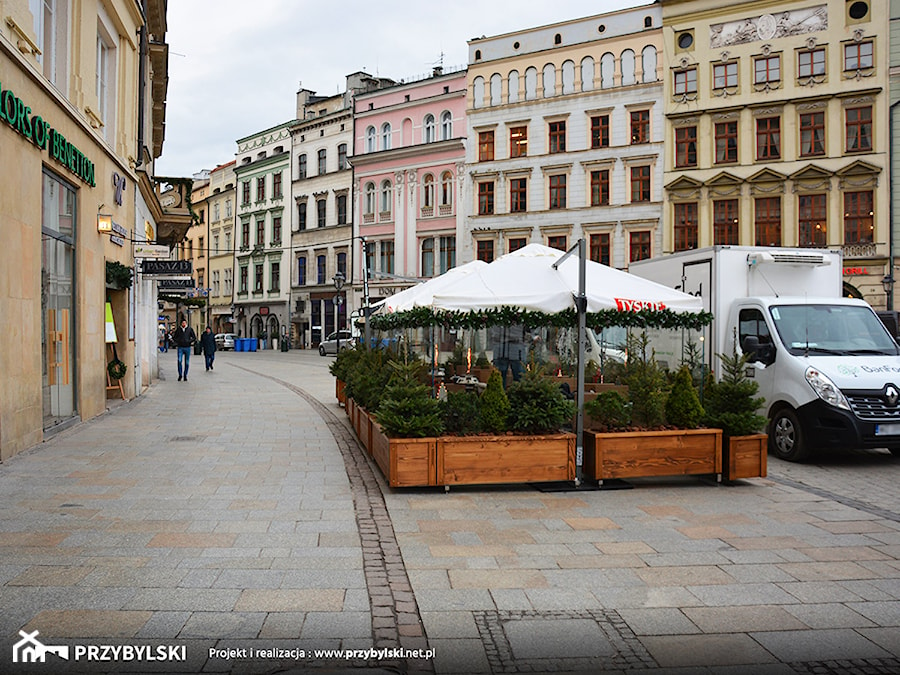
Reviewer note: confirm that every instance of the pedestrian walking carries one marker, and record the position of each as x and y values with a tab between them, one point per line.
208	345
184	338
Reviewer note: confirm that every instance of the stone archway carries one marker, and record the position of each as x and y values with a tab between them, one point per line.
272	330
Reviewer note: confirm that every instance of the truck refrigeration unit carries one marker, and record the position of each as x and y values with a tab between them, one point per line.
826	365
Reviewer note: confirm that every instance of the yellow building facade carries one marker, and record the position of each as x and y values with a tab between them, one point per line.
776	129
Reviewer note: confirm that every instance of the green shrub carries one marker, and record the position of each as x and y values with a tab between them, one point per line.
537	406
610	409
731	403
460	413
647	389
493	406
366	376
683	408
407	409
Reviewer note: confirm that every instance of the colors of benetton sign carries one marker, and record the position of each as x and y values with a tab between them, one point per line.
14	112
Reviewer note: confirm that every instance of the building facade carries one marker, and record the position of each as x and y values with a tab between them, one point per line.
565	138
81	119
894	136
221	248
776	130
409	153
194	248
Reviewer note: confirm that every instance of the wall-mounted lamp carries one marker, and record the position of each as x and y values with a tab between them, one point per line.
104	223
887	283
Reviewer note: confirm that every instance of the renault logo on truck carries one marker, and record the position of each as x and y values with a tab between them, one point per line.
891	395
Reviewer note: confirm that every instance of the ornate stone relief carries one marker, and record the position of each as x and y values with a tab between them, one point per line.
768	26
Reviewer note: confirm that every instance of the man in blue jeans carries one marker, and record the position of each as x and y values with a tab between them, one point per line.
184	338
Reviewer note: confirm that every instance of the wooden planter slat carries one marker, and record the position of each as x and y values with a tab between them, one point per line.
339	394
635	454
746	457
405	462
474	460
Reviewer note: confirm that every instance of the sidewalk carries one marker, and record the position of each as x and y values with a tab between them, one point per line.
235	511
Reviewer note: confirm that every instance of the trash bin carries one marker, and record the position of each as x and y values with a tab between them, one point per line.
284	344
251	342
238	344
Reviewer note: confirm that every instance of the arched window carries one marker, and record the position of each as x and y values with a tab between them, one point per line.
478	92
531	84
513	86
446	125
587	74
648	63
386	200
568	77
342	157
370	198
549	80
428	257
370	139
386	136
607	71
496	89
627	65
446	188
428	190
428	129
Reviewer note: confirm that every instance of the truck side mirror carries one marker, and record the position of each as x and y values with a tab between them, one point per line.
764	353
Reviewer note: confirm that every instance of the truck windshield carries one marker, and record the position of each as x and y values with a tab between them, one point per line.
832	330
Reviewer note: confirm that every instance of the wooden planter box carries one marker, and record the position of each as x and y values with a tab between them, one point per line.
474	460
405	462
745	456
634	454
350	408
339	394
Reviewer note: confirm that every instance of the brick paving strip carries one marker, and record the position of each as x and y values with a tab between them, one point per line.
395	613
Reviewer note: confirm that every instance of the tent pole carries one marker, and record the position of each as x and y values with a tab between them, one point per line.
581	304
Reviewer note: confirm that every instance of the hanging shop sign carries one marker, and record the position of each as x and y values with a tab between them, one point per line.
157	251
166	267
169	284
19	116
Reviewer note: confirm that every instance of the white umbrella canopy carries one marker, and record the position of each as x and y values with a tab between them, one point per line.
422	294
526	279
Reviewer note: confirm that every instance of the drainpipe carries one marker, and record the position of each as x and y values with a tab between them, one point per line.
890	293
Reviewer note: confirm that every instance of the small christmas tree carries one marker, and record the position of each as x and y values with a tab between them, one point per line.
493	406
683	408
731	403
407	409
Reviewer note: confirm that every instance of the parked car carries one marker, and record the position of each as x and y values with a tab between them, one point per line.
330	344
225	341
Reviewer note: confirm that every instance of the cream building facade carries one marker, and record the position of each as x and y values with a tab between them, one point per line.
220	263
776	129
565	137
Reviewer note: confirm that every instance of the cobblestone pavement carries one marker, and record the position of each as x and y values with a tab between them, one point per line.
236	512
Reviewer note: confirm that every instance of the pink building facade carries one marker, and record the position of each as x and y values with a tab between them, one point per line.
408	157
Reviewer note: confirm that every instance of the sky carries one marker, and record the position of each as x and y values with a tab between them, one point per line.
235	65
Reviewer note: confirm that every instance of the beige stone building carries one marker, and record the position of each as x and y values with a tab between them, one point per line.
777	129
81	122
220	258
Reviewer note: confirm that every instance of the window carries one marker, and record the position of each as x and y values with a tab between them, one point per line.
598	248
386	136
686	226
447	254
600	131
341	203
301	270
228	282
558	191
322	162
386	201
371	139
518	141
342	263
301	216
275	276
106	81
428	127
244	282
559	242
260	232
228	241
428	191
276	185
245	192
320	269
485	198
216	283
686	146
446	125
446	189
726	142
245	235
640	183
812	134
342	157
261	189
859	129
811	63
725	222
485	250
485	146
859	223
725	75
858	56
369	207
638	245
201	249
215	244
320	212
768	221
518	197
768	138
369	259
301	166
767	70
557	137
276	229
600	187
428	257
50	30
228	208
685	82
640	126
387	257
258	278
813	220
516	243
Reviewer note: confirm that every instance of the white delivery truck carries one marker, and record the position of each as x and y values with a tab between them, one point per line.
826	365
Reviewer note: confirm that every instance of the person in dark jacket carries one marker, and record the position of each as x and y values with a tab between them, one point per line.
184	339
208	345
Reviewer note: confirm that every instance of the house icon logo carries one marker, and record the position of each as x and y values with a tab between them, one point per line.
31	650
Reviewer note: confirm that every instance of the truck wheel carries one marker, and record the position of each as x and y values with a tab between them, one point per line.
786	437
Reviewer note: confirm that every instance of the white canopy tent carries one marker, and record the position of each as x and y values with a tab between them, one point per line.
422	294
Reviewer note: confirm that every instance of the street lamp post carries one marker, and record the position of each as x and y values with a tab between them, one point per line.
338	279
